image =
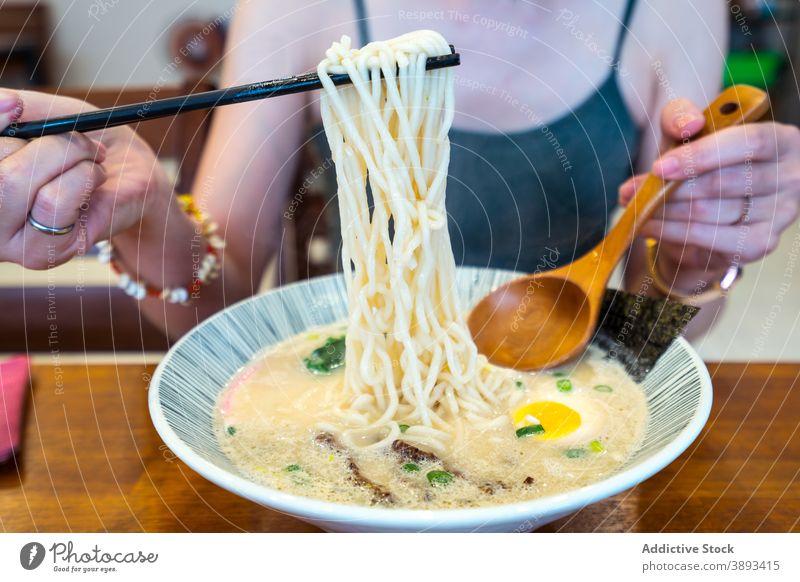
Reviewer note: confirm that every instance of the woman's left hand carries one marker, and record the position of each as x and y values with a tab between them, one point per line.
741	191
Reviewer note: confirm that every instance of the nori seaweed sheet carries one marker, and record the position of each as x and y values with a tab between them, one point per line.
636	330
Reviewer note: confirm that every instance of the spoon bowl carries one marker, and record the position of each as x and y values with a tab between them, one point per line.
527	322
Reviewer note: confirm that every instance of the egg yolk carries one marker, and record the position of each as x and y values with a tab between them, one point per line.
558	420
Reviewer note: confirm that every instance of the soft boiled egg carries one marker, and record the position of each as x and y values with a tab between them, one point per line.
558	420
570	418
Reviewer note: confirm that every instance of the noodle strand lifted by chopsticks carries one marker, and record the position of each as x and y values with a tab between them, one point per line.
409	355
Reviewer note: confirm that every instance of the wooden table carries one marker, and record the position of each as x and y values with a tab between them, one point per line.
91	461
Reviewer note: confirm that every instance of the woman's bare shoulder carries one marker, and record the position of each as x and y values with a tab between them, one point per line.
686	27
296	32
675	49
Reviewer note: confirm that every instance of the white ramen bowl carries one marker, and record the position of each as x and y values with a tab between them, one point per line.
185	386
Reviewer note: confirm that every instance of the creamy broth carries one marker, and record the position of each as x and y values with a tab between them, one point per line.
275	422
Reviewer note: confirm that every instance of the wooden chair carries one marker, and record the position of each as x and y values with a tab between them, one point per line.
24	32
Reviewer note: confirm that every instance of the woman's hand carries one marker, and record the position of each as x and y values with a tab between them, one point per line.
742	190
102	182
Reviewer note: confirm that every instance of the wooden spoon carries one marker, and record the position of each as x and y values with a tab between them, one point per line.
545	319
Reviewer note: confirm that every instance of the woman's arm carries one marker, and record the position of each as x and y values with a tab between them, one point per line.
244	176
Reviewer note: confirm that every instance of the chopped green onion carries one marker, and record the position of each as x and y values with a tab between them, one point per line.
520	385
533	429
597	446
603	388
293	467
410	467
328	357
231	430
575	453
559	374
403	427
439	477
564	385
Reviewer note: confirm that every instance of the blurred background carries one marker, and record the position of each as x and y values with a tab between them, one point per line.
112	52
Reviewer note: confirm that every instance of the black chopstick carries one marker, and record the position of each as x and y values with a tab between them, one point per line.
136	112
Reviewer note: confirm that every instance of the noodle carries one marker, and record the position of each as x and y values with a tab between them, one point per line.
409	355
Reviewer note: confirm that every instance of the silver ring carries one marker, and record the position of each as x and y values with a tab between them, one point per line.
54	230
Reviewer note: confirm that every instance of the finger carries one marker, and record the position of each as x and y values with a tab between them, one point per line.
10	107
681	119
752	142
748	179
26	171
748	243
10	146
60	202
758	179
629	188
36	105
10	111
722	210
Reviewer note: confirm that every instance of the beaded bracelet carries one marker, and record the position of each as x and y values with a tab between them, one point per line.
207	268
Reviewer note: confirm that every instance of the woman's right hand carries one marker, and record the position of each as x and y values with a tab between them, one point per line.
102	182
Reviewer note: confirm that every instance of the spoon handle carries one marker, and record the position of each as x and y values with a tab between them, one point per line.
736	105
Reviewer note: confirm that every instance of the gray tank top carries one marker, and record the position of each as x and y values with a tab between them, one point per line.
532	199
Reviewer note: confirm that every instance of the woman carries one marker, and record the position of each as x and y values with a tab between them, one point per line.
558	104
